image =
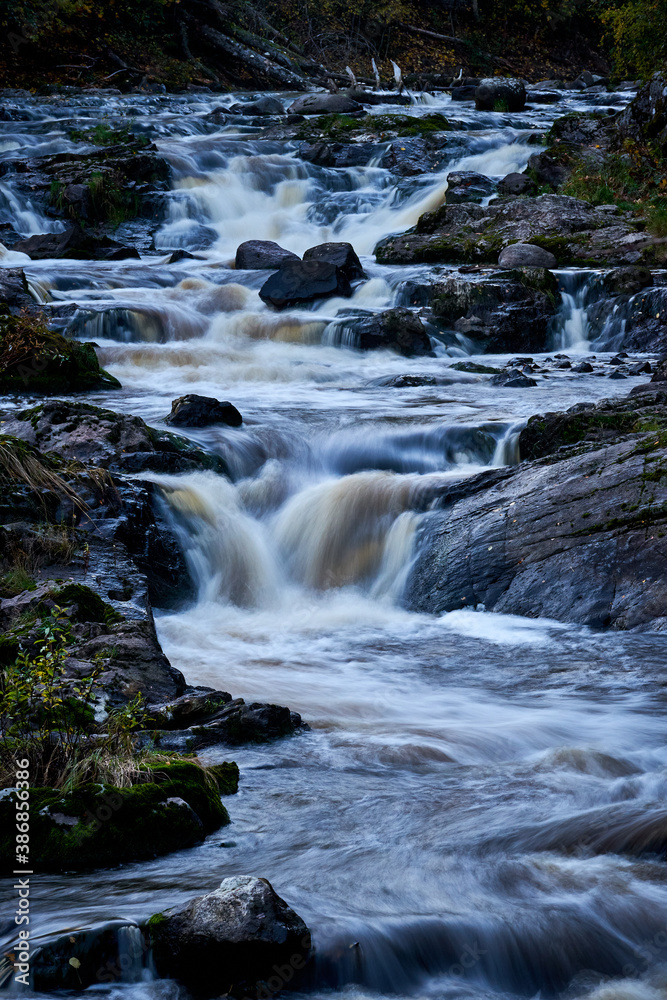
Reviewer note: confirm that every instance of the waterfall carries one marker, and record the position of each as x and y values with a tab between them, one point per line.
571	326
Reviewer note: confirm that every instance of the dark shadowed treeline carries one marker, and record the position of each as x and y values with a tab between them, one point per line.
278	43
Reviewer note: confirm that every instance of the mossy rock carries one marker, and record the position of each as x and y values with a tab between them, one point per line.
343	128
105	825
34	358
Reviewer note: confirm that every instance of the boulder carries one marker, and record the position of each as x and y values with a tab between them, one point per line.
324	104
86	957
468	186
627	280
73	244
340	254
644	120
500	94
547	170
197	721
14	288
526	255
238	939
302	281
517	184
262	106
338	154
513	379
261	254
510	311
96	824
201	411
569	228
579	538
397	330
106	439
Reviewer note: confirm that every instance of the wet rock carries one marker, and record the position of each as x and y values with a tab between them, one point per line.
107	439
500	94
75	961
73	244
543	96
338	154
14	288
582	368
202	411
466	93
302	281
262	106
261	254
231	723
34	358
342	255
468	186
579	538
373	98
324	104
410	157
100	824
634	322
230	940
546	170
569	228
627	280
397	330
526	255
502	313
513	379
645	118
517	184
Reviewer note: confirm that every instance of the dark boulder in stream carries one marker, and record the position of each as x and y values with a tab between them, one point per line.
260	254
343	255
324	104
202	411
302	281
397	330
578	533
238	940
498	93
74	244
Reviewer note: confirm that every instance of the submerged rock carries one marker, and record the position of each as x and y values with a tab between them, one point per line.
397	330
498	93
233	940
302	281
259	254
580	536
201	411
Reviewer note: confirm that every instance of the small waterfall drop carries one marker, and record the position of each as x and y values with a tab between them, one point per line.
571	326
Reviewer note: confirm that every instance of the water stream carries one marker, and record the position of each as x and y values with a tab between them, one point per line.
467	816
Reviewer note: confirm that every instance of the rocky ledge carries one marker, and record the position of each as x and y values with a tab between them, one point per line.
585	512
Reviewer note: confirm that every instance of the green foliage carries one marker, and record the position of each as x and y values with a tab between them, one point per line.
638	35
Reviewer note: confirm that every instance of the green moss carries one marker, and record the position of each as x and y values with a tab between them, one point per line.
101	824
227	776
89	606
345	127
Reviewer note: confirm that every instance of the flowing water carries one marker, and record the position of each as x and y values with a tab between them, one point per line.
472	813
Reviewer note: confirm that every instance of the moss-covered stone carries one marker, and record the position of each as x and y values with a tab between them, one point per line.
102	824
342	128
34	358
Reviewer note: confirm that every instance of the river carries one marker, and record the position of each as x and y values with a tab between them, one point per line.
448	827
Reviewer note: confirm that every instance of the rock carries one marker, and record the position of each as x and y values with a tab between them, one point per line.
468	186
547	170
80	958
544	96
100	824
106	439
260	254
633	322
513	379
201	411
234	940
582	367
340	254
500	94
469	234
302	281
627	280
579	538
526	255
644	120
73	244
397	330
231	723
324	104
466	93
262	106
511	311
34	358
517	184
373	98
338	154
14	288
417	155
